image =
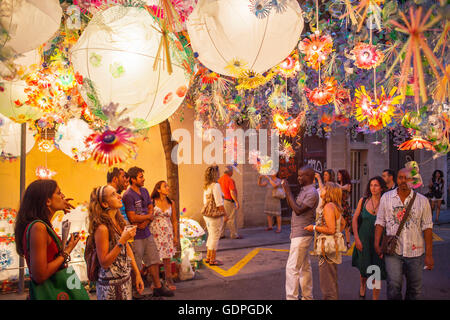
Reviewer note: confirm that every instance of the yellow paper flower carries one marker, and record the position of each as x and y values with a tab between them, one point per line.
237	67
252	80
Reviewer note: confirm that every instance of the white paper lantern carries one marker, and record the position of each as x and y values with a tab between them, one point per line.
237	34
70	139
116	52
10	133
29	23
14	90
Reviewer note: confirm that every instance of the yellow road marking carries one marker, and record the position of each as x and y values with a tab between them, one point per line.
238	266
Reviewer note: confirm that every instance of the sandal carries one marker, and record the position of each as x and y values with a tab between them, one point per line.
277	231
215	263
171	286
268	229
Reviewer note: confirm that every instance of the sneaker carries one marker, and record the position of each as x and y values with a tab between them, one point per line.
137	295
162	292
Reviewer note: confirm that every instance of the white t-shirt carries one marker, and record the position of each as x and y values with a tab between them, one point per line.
217	192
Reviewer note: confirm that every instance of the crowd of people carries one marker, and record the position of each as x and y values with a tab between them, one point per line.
133	234
392	228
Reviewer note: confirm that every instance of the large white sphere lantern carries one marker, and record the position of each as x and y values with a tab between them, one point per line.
117	52
10	133
13	96
230	36
29	23
70	139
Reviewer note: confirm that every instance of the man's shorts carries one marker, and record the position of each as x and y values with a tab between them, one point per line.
145	251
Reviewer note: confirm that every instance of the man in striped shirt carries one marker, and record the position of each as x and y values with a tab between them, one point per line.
414	244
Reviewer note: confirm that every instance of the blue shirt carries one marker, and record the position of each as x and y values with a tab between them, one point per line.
139	204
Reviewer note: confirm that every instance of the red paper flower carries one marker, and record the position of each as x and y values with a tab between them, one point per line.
416	143
112	146
367	56
316	49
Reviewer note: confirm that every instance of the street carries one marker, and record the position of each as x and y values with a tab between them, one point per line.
263	276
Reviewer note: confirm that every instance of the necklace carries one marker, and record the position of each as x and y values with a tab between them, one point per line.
375	209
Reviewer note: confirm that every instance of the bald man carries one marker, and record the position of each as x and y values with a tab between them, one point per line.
298	267
415	242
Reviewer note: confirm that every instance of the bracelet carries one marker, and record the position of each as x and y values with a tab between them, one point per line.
314	228
66	256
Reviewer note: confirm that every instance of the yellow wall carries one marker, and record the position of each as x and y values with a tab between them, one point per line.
78	179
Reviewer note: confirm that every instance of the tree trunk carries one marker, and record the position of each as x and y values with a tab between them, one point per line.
171	168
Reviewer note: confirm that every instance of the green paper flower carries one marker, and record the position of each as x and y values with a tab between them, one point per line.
116	69
95	60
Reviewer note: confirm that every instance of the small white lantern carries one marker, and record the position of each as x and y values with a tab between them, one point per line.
14	90
29	23
117	52
70	139
231	36
10	133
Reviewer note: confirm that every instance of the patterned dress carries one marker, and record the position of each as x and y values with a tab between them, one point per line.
114	283
272	206
347	213
162	231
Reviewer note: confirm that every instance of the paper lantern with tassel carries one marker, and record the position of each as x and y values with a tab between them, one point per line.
116	57
29	23
231	36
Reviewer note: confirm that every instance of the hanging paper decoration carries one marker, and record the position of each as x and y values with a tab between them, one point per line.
415	28
289	67
29	23
116	55
70	139
316	49
10	133
111	146
365	8
44	173
250	80
415	143
13	95
229	35
413	169
279	99
367	56
324	94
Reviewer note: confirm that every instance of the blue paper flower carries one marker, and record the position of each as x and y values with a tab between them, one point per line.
261	8
280	6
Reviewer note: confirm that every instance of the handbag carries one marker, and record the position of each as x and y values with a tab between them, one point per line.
210	209
278	193
90	256
389	243
330	243
59	285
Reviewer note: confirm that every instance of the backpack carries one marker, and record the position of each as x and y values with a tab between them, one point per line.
90	256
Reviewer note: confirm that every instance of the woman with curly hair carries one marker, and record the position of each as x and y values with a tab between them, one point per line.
329	222
364	254
213	212
107	230
344	182
436	192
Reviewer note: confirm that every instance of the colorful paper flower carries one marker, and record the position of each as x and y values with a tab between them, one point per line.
260	8
46	145
415	143
237	67
112	146
44	173
367	56
209	77
279	99
316	49
324	94
252	80
279	6
289	67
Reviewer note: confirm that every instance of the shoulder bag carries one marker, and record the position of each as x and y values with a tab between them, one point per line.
330	243
210	209
389	243
62	285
